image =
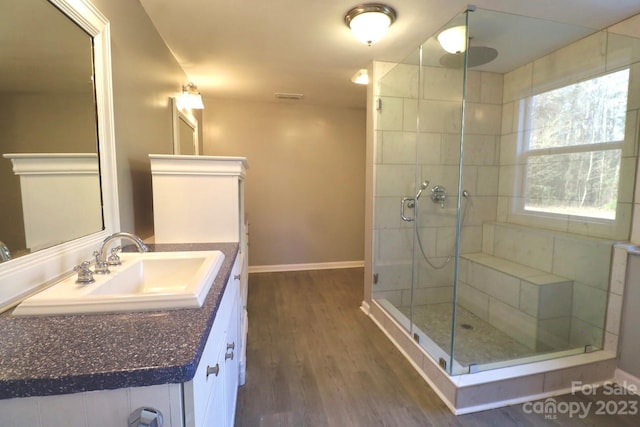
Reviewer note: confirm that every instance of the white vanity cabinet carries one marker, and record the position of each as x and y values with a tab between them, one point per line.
60	196
210	397
207	400
200	199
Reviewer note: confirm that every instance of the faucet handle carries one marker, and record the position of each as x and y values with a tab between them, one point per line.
85	276
101	266
114	259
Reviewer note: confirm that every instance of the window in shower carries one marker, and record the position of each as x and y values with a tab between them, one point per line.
574	146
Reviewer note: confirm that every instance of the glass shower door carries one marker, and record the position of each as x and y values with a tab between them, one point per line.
439	210
417	175
395	176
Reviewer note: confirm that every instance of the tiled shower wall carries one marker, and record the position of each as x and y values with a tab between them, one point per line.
590	57
434	137
493	133
587	261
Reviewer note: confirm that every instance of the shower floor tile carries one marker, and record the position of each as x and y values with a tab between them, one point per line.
477	341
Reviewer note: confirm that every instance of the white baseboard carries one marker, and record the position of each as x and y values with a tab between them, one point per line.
628	381
366	308
303	267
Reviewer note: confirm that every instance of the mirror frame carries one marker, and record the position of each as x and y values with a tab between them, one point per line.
177	114
28	274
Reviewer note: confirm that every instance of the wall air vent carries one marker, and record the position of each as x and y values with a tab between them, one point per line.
294	96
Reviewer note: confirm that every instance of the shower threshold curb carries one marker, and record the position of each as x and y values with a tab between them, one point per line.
495	388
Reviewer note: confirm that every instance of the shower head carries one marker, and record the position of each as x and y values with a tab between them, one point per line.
423	186
476	56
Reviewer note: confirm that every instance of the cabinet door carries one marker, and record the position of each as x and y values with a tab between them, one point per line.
232	359
204	388
221	407
216	414
200	391
210	398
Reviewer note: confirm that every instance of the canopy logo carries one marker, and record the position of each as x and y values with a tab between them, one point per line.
551	408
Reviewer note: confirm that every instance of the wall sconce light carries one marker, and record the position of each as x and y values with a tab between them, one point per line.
191	97
361	77
454	39
370	21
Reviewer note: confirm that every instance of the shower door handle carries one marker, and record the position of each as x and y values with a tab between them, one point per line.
409	202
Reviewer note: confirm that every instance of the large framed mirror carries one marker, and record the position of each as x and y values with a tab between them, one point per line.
185	130
57	122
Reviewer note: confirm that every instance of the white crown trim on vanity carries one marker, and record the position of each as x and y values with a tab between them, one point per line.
53	163
171	164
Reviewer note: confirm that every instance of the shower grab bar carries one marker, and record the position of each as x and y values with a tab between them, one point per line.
411	205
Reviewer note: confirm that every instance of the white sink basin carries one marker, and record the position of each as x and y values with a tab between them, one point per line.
144	281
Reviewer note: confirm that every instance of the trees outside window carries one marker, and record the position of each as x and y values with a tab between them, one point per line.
573	148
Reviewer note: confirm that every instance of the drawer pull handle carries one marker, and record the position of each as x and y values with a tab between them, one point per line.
228	355
237	276
213	370
231	346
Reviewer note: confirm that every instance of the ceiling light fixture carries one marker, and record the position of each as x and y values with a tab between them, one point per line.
454	39
370	21
361	77
191	97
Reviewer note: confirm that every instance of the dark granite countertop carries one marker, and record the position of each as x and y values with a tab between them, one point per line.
49	355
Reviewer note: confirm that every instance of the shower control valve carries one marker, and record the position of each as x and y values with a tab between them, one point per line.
439	195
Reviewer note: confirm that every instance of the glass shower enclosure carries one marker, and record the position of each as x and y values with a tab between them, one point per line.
504	169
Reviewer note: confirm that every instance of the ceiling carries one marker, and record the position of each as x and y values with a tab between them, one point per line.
249	49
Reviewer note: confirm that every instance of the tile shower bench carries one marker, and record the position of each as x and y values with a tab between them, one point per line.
525	303
535	292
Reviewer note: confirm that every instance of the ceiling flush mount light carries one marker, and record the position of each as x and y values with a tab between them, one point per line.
370	21
454	39
361	77
191	97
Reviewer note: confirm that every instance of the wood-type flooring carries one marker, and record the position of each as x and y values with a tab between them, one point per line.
315	359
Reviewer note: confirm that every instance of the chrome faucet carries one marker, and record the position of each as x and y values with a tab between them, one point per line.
102	265
5	255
